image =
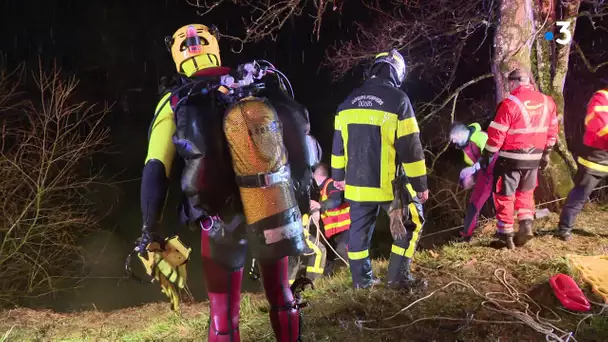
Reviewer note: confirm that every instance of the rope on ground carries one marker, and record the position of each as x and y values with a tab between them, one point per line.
494	301
489	219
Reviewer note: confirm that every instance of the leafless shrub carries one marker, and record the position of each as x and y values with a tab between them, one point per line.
46	142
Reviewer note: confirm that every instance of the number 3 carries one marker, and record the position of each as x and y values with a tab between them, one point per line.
564	25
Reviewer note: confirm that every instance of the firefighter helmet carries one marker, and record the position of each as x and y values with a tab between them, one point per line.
396	62
194	47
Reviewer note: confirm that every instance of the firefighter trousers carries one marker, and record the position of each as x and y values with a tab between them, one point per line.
363	221
513	190
314	258
481	192
584	183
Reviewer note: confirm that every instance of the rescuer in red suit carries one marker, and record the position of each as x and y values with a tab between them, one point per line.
592	161
523	134
193	121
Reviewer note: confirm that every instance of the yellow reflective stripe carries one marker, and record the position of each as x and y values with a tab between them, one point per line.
409	188
338	162
337	225
415	169
589	118
591	165
337	212
603	131
409	253
400	251
467	159
600	108
358	255
382	54
305	221
367	194
407	126
604	92
312	269
318	256
291	281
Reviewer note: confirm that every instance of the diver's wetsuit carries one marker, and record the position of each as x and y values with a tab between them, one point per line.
212	200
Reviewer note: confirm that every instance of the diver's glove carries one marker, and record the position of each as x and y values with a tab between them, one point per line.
165	261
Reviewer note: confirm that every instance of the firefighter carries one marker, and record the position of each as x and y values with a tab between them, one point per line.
199	125
335	212
375	128
523	134
472	140
592	162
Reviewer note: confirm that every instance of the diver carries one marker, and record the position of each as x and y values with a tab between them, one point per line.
245	181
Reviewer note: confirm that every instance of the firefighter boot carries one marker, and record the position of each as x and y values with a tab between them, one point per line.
506	239
524	234
564	233
361	273
400	275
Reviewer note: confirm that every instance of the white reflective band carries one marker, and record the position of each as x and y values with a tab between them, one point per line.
541	128
529	130
521	156
491	148
522	109
499	127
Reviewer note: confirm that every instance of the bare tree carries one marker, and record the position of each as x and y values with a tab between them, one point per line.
269	16
47	140
438	37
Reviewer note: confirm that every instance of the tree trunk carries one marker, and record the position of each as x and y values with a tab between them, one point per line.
518	44
512	42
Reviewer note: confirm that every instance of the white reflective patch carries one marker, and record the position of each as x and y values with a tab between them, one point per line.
491	148
499	127
521	156
282	233
529	130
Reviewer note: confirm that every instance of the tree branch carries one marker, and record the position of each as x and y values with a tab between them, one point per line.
455	94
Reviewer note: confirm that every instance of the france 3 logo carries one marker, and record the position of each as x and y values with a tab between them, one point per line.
564	30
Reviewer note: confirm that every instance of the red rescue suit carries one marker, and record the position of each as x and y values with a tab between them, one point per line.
592	160
594	154
525	126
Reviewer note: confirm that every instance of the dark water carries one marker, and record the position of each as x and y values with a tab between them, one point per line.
105	286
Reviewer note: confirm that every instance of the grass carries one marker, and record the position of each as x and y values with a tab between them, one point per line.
334	307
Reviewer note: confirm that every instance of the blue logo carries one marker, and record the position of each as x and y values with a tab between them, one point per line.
564	30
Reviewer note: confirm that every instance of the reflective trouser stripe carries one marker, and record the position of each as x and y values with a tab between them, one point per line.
358	255
591	165
316	268
411	248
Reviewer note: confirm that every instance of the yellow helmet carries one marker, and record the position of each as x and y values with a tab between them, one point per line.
194	47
